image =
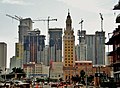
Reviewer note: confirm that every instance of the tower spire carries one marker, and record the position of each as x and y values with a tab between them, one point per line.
68	12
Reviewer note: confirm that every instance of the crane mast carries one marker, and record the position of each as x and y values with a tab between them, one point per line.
80	36
101	16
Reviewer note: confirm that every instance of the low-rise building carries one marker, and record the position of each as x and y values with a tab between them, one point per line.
56	71
36	70
83	65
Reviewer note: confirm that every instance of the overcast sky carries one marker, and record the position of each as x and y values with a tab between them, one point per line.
88	10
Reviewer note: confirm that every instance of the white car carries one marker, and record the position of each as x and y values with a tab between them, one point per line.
45	83
18	82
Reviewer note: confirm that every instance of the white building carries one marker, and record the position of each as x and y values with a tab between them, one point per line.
56	71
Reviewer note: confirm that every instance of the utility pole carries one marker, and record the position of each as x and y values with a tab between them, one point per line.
101	16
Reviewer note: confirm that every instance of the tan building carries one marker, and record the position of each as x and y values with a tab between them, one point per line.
68	50
36	70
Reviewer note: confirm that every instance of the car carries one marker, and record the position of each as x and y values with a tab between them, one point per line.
79	85
54	85
18	82
45	83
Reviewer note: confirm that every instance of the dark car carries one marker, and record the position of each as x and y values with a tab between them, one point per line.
54	85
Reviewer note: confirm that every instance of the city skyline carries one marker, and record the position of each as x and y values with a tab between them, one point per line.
44	8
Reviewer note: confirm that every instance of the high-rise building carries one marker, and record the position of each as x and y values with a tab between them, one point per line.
94	47
34	45
24	27
46	55
55	44
100	47
3	56
13	63
68	49
81	52
19	54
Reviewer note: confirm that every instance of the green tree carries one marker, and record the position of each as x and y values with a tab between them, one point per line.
18	72
82	76
82	73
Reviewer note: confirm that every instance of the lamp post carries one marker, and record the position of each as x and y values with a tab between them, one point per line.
5	74
49	74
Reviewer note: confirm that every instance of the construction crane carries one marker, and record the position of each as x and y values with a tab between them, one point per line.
80	32
81	22
14	17
48	20
20	18
101	21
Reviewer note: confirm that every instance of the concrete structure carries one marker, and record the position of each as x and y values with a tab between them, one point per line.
100	48
3	56
24	27
56	71
68	50
81	52
55	44
93	46
46	57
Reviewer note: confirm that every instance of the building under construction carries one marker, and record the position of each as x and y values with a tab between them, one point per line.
55	44
94	47
34	44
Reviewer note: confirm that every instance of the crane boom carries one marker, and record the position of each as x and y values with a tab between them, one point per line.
12	17
20	18
48	19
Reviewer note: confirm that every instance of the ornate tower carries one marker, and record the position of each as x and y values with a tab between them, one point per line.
68	50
